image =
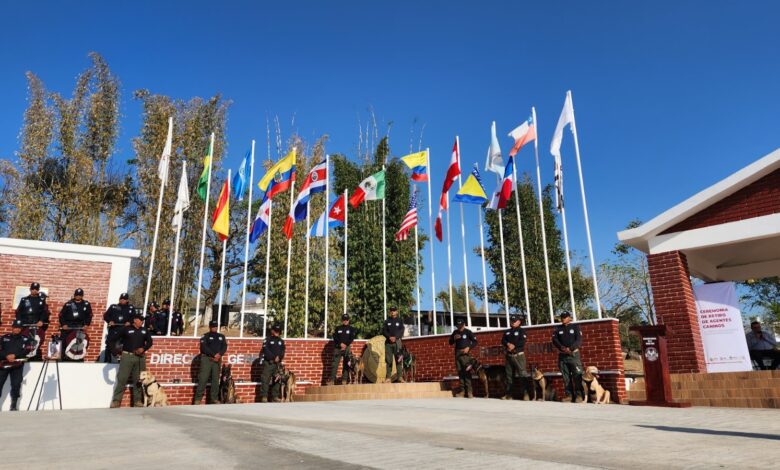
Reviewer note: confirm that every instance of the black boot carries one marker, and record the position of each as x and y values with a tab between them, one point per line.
13	404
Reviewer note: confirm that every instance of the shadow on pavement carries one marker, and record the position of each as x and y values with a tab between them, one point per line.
713	432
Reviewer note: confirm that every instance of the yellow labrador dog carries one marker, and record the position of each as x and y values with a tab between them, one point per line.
154	395
592	386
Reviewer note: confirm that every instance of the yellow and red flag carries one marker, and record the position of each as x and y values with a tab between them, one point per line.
221	218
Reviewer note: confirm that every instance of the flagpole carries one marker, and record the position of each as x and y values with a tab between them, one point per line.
522	248
246	244
503	265
327	240
176	258
306	298
203	238
568	262
484	268
430	227
267	259
463	242
156	228
585	207
417	277
541	217
289	257
222	270
384	249
346	246
449	267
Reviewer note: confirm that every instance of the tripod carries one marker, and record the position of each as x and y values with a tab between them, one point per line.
41	380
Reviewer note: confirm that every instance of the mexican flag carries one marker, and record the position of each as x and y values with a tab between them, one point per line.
371	189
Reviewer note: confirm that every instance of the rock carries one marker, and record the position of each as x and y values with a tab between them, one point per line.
374	360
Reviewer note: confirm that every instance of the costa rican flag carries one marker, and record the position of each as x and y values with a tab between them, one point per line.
316	182
410	219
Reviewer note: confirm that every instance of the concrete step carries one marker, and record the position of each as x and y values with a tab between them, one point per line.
370	396
412	387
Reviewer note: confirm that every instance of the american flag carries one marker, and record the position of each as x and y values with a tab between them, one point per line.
410	219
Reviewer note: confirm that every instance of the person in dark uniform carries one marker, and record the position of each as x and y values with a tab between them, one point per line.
13	346
160	318
117	316
463	340
342	344
149	319
76	314
177	322
273	355
567	338
393	331
514	358
213	346
136	340
34	313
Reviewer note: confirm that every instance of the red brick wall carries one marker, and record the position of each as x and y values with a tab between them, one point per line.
675	307
600	347
758	199
61	277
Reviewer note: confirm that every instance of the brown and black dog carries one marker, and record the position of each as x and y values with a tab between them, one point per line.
227	386
540	390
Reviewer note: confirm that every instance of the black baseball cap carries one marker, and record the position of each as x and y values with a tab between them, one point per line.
167	302
124	296
139	316
513	318
213	324
565	314
344	317
35	286
17	324
393	308
460	321
154	304
276	327
78	292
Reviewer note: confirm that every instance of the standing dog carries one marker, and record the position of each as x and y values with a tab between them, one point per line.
288	380
227	386
354	369
593	389
410	364
153	393
476	367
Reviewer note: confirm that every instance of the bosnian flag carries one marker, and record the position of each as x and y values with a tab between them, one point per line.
452	174
261	222
315	182
507	184
335	218
523	134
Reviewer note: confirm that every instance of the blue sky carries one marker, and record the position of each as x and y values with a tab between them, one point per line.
669	97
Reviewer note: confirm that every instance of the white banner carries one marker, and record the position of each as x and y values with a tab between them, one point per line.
722	334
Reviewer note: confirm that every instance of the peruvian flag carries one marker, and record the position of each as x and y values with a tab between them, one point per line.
453	171
315	182
523	134
507	184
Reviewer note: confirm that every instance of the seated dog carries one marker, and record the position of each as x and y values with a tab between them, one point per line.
540	391
227	386
288	380
153	393
593	390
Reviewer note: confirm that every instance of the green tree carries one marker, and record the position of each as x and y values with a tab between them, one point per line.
458	299
764	296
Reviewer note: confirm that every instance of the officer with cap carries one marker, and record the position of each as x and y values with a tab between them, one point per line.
136	340
33	311
117	316
567	338
76	314
514	359
393	331
149	319
177	321
463	340
13	347
342	344
213	346
273	355
160	318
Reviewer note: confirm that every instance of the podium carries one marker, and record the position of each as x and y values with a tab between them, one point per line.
658	384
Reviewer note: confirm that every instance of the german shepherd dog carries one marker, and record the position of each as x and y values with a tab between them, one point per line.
540	391
288	380
476	367
410	364
227	386
355	368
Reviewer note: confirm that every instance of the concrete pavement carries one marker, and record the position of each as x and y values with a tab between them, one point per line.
430	433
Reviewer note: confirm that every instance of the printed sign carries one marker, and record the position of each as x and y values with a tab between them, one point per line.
722	334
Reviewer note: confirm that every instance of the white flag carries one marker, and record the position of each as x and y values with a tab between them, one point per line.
182	199
567	117
162	169
494	161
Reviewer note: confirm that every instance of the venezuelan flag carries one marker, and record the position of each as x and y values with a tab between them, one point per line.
279	178
418	162
472	191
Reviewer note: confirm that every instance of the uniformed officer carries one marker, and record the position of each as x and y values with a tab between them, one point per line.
213	346
75	314
136	340
13	346
463	340
393	331
342	344
273	354
149	319
514	359
177	321
33	311
160	318
567	338
117	316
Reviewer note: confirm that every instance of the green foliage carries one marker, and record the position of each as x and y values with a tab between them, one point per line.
764	296
458	299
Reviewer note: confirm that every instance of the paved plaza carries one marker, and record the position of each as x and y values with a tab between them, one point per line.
393	434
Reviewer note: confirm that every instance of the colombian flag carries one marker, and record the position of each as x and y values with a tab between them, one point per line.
279	178
221	218
418	162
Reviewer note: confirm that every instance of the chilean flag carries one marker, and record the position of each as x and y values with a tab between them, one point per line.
507	185
452	174
315	182
523	134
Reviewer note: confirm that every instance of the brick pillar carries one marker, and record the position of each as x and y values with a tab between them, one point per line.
675	307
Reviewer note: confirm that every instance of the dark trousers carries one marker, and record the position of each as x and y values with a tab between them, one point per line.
514	366
209	373
571	371
462	361
266	377
759	357
339	355
16	380
392	350
111	338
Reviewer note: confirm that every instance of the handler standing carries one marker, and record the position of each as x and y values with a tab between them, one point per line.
213	346
136	340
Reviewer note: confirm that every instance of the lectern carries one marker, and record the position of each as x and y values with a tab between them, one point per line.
658	385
